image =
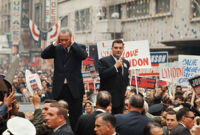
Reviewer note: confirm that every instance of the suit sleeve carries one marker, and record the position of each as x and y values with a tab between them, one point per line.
48	52
80	51
104	70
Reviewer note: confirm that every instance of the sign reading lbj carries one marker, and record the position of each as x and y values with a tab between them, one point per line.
159	57
195	83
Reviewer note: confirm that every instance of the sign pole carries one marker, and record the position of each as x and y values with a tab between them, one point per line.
136	81
193	97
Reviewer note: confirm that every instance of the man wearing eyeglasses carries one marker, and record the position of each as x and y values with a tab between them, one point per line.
185	117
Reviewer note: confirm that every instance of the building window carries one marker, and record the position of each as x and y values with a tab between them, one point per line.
83	20
113	10
195	8
64	21
162	6
137	8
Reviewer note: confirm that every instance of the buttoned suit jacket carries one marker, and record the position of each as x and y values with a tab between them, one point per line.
86	124
110	79
66	66
180	130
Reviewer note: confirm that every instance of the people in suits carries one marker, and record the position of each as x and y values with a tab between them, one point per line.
105	124
132	122
86	123
56	118
67	79
186	122
113	72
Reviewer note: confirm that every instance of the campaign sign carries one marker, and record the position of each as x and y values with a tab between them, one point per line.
138	54
195	83
104	48
159	57
170	71
32	81
87	78
191	68
144	82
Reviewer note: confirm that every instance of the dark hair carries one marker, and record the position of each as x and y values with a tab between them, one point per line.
61	110
136	101
171	112
117	41
182	112
107	117
87	102
103	99
178	96
178	86
150	126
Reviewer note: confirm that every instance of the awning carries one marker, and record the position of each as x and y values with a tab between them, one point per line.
182	43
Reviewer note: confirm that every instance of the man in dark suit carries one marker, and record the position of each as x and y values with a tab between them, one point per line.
56	119
86	123
186	122
113	72
132	122
67	80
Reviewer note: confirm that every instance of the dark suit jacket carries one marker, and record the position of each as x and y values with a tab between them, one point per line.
86	124
180	130
131	123
66	66
110	79
64	130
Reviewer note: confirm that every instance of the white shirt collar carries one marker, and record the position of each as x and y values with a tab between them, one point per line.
101	110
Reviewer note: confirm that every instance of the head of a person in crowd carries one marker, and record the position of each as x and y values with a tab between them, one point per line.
163	119
153	129
186	117
56	116
188	98
105	124
64	38
117	48
103	100
179	89
179	99
44	84
136	103
64	104
197	102
171	120
46	106
125	109
88	107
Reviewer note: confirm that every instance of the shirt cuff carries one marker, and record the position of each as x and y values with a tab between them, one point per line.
116	68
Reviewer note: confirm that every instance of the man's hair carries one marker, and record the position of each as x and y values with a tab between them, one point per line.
49	101
171	112
61	110
103	99
182	112
108	118
178	96
150	126
117	41
136	101
64	104
63	31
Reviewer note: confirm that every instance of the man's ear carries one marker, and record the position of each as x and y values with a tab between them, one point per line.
58	39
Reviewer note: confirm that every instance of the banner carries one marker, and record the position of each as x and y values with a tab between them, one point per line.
87	78
171	71
51	11
137	53
144	82
191	68
195	83
35	32
159	57
15	21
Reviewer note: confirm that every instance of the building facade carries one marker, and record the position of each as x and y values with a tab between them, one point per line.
161	22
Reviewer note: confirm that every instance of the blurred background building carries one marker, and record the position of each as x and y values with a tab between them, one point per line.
168	25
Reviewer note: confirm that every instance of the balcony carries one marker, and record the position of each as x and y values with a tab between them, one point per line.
109	26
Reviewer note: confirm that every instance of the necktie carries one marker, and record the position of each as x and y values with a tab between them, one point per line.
66	51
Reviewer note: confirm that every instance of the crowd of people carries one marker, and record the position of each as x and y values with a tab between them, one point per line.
116	109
